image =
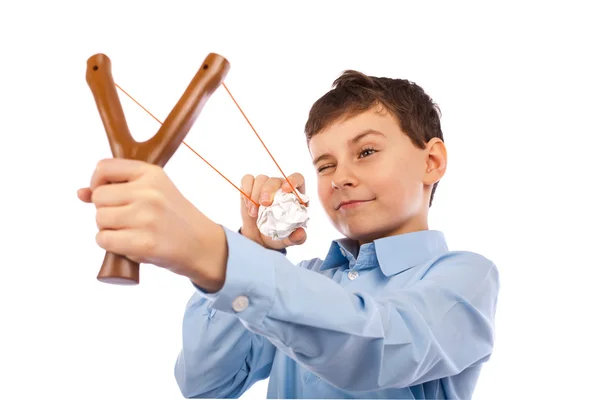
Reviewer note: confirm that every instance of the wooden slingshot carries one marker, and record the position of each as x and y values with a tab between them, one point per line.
118	269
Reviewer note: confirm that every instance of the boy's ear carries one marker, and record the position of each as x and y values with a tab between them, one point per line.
436	161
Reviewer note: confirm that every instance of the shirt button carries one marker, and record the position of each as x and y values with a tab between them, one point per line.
240	303
352	275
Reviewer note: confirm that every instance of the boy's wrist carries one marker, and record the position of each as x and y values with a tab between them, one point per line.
209	261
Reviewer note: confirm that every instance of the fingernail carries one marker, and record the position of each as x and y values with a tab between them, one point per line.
264	197
253	210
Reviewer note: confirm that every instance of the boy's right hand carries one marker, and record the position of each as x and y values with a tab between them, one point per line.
256	189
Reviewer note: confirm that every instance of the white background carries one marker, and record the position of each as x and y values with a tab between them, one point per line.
518	87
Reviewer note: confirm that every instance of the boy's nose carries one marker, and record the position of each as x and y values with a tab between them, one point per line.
342	179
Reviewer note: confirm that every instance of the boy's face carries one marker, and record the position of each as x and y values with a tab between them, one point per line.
368	161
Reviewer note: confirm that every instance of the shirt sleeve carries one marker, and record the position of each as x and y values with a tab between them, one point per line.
219	357
436	327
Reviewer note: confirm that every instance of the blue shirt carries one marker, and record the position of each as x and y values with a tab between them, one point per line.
401	317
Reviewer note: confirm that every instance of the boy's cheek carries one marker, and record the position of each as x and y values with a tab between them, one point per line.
324	192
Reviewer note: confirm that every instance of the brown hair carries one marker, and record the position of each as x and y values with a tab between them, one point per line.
354	92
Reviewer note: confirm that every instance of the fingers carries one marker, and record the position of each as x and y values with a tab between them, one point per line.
262	189
85	195
246	187
116	194
245	205
113	170
259	182
248	209
113	217
267	192
133	243
297	181
132	215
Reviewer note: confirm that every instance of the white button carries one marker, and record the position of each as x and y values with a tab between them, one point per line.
352	275
240	303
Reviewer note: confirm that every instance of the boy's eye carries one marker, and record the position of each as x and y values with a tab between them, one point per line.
323	168
366	152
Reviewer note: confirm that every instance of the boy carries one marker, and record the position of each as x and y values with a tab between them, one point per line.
389	312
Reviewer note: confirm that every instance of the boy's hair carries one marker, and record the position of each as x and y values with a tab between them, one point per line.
354	92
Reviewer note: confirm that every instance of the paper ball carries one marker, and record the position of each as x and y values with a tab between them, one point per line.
283	216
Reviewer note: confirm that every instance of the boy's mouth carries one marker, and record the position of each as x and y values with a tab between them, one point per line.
344	205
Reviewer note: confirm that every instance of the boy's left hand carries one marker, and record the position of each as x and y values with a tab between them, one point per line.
141	215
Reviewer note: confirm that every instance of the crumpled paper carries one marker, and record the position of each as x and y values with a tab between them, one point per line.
283	216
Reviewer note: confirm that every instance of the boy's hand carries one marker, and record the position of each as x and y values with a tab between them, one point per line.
141	215
262	190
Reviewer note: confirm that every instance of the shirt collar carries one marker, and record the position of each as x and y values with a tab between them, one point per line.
394	254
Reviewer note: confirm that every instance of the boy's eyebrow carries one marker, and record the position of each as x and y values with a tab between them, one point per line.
354	140
366	133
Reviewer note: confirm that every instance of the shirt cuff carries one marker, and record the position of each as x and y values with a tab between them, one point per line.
249	288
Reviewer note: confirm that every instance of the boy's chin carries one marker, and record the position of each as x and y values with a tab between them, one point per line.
369	232
362	234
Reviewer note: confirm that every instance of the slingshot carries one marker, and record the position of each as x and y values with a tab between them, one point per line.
118	269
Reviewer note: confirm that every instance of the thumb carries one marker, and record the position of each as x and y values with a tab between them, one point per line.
297	237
